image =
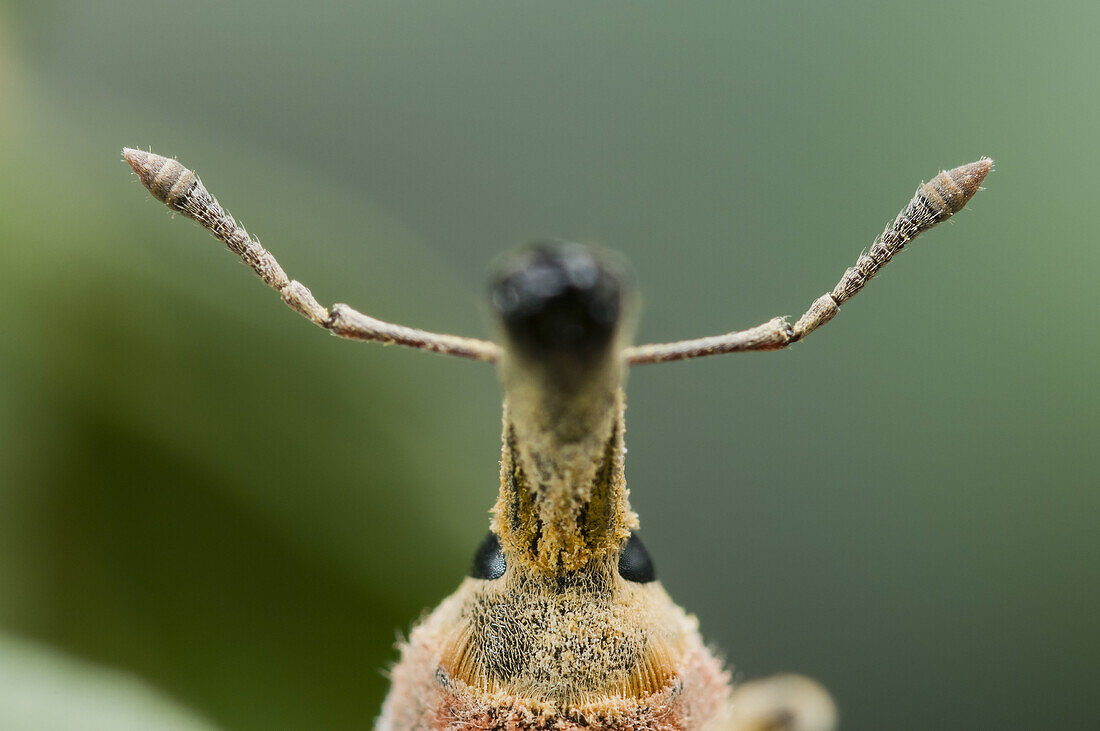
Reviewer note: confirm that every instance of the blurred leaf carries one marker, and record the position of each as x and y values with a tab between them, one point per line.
42	689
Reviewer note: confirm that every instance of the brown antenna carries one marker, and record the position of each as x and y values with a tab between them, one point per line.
933	203
181	190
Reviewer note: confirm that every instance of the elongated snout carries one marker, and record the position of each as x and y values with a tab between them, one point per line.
560	307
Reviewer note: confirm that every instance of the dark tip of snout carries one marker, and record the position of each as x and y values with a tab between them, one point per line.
558	299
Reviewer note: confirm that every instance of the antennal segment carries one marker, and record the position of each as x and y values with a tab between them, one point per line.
181	190
934	202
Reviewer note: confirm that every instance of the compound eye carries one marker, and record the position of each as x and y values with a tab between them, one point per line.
634	562
488	562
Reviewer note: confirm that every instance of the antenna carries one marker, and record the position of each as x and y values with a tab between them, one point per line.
933	203
181	190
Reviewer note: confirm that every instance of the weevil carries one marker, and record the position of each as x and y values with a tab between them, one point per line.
562	623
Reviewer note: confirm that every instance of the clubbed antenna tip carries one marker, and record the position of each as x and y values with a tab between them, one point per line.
134	157
169	182
969	177
139	160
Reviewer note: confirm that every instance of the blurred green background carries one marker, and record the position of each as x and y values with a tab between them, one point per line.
211	510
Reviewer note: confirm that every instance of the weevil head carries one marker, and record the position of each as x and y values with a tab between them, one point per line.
606	632
563	603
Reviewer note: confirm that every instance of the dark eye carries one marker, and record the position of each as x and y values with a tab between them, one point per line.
634	562
488	561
